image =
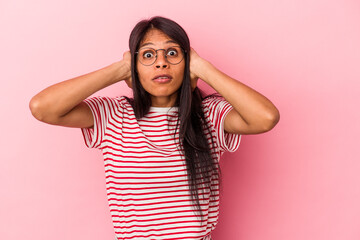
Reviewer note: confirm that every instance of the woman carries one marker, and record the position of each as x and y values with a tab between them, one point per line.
162	147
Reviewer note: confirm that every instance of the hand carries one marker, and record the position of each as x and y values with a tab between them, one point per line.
127	60
194	65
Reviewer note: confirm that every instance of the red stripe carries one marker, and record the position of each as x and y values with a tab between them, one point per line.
154	203
147	143
147	188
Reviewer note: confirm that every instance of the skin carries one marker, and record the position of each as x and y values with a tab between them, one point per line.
162	94
61	104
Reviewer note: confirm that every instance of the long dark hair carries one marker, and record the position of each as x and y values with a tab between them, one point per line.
201	162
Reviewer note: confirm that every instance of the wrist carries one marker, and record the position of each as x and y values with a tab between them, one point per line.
203	67
120	71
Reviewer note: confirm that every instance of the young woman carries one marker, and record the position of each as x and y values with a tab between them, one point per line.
162	147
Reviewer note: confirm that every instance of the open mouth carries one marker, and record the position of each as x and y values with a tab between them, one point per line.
162	78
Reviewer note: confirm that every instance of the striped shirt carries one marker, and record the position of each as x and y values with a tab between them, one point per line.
146	176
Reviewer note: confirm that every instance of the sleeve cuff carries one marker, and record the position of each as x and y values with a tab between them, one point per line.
230	142
91	135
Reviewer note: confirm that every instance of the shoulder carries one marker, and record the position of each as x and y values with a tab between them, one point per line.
123	101
215	107
110	102
212	101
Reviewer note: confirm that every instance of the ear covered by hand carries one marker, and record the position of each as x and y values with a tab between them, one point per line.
127	60
194	68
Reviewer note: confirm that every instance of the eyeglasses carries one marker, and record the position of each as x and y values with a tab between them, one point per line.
173	55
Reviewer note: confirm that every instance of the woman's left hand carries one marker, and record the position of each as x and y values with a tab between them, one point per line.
195	66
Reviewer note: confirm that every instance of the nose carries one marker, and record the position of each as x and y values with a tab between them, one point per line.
161	59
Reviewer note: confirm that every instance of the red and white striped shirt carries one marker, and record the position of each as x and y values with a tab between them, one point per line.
146	176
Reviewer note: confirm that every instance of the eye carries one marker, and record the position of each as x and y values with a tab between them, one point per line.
172	52
148	54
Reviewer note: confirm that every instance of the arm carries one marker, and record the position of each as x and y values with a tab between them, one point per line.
61	104
252	112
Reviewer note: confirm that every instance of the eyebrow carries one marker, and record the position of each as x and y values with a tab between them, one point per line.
150	43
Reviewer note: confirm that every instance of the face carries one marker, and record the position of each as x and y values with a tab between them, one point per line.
163	90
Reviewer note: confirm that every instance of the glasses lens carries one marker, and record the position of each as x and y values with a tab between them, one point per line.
174	55
147	56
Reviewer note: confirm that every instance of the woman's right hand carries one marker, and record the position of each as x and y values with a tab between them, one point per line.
127	62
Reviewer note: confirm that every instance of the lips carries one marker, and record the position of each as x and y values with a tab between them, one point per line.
163	78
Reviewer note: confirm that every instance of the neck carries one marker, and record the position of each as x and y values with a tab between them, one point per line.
168	101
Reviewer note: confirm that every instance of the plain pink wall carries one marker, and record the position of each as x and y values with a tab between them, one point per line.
299	181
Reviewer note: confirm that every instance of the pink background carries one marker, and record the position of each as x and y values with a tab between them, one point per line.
299	181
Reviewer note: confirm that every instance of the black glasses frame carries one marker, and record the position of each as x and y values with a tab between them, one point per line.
156	54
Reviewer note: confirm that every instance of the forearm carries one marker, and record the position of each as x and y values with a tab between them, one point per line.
254	108
58	99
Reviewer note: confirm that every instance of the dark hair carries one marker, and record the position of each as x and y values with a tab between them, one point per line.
202	164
